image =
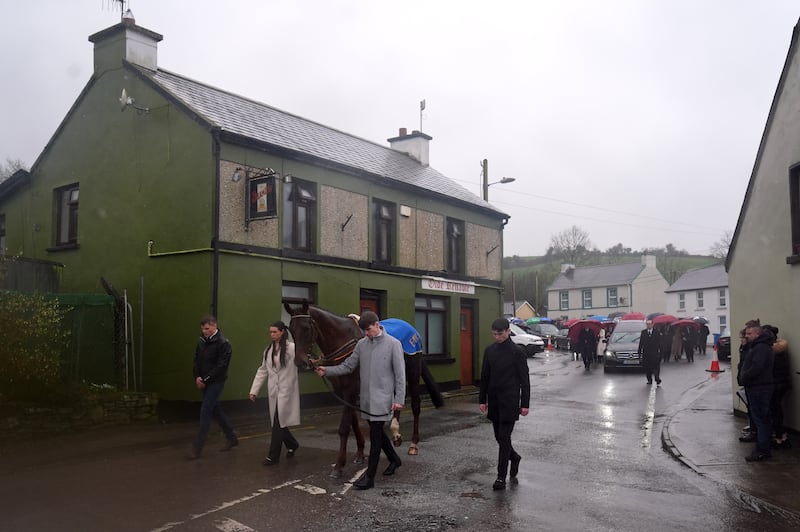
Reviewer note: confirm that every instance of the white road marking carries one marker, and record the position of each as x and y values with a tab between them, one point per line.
229	525
224	505
313	490
650	415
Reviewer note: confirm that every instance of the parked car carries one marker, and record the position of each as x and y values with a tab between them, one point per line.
530	343
724	344
562	340
547	331
623	346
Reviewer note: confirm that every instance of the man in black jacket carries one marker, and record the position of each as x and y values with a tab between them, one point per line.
505	391
211	359
650	343
756	377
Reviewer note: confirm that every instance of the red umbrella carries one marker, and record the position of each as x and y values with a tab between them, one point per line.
664	318
576	328
569	323
684	323
633	316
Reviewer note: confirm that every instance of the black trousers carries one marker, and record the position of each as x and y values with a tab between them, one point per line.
379	440
502	433
280	436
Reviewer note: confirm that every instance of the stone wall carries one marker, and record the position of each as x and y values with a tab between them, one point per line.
103	410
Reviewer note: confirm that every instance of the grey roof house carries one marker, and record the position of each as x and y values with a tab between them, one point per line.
701	292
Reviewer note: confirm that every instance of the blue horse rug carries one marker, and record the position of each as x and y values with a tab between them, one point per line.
403	331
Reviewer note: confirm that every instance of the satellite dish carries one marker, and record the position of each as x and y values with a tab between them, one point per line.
124	100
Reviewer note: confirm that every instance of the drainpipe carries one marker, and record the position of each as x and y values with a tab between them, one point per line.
215	149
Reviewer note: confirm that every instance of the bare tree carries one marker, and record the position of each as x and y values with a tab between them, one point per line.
570	244
719	249
8	168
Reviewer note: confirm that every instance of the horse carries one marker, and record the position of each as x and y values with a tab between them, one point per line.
336	336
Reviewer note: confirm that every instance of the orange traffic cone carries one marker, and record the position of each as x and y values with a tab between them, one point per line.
549	345
715	364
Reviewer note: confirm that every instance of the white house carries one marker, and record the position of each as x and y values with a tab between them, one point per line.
701	292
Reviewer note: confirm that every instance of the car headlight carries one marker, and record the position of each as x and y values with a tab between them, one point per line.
611	354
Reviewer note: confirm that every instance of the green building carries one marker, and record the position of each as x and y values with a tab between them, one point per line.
195	201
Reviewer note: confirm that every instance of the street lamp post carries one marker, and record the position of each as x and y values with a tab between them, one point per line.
486	183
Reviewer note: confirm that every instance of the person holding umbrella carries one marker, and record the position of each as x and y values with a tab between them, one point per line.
587	346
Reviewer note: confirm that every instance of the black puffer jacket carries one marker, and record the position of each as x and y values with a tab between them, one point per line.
212	357
781	371
757	363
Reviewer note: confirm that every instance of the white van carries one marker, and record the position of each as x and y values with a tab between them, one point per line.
530	343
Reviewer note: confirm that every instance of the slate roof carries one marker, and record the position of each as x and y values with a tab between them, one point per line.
598	276
701	278
260	122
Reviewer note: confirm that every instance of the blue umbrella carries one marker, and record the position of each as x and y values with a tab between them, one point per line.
598	317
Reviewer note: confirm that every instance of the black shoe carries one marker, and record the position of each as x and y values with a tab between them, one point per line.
499	484
392	468
757	456
649	381
515	460
658	382
748	438
269	461
229	444
364	483
195	453
784	444
290	452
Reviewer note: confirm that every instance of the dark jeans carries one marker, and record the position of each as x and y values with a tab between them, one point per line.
502	433
211	409
758	404
378	439
280	436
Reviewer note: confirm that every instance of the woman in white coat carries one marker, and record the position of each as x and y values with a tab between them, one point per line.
279	368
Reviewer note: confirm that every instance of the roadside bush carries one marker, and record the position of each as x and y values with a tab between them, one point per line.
31	342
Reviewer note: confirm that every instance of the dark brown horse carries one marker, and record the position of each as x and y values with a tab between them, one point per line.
336	337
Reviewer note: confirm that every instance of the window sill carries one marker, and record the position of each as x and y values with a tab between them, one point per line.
793	259
64	247
438	359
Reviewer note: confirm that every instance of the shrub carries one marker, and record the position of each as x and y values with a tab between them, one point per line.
31	342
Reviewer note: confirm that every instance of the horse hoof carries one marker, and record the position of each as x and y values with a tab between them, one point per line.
335	474
397	441
412	450
358	460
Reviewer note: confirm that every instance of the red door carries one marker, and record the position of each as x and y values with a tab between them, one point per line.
370	304
467	339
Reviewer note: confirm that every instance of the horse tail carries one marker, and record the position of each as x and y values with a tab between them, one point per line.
433	388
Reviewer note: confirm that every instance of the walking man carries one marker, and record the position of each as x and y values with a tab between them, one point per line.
379	358
505	392
211	359
650	343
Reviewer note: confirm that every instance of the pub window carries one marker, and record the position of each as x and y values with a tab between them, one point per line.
300	215
296	294
430	317
587	298
66	199
384	218
455	246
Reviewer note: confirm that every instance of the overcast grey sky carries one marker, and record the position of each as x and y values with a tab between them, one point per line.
636	120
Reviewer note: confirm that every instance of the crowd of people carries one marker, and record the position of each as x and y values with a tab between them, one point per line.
765	376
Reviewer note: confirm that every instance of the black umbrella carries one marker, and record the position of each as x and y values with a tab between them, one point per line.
700	319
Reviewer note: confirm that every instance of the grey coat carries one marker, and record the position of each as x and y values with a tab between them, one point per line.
382	368
284	392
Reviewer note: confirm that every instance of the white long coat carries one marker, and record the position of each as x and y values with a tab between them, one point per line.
283	389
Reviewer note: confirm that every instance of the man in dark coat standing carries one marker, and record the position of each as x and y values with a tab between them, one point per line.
505	392
650	343
757	379
587	345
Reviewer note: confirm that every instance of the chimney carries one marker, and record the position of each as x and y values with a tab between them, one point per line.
567	268
125	41
415	144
